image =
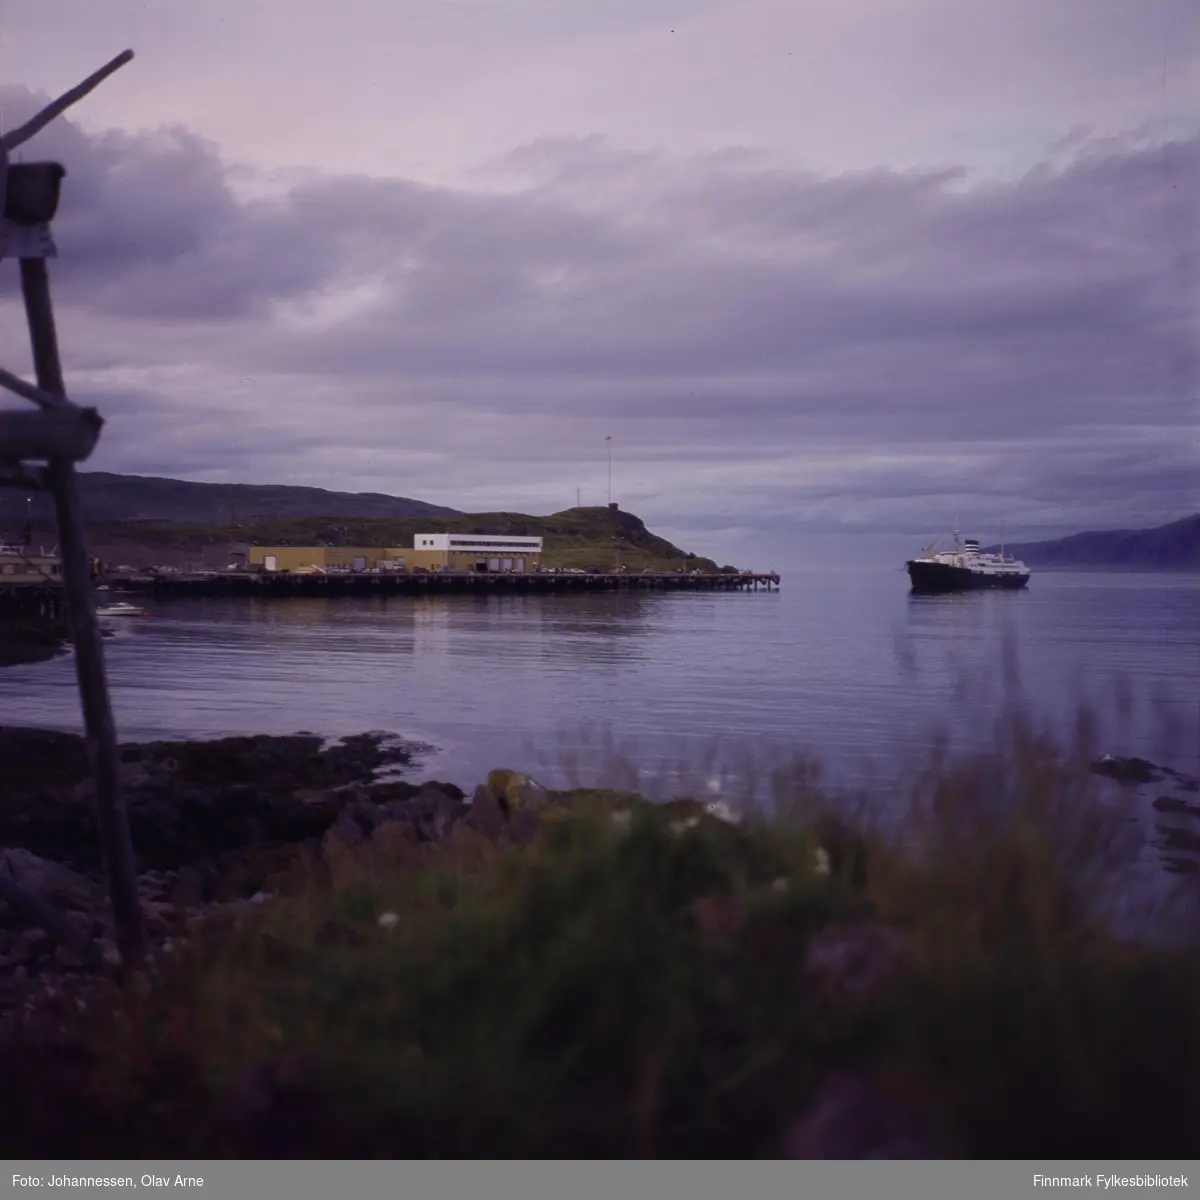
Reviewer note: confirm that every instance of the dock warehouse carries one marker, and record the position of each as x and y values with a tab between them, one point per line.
453	552
325	558
465	552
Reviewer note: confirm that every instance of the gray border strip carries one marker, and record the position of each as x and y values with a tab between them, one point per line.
224	1180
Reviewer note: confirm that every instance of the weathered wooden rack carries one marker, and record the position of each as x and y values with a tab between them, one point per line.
39	451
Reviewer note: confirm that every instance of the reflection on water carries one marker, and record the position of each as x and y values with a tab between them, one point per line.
845	665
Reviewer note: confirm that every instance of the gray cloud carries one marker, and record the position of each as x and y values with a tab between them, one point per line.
858	348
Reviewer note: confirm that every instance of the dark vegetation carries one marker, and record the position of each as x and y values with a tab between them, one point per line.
580	537
529	973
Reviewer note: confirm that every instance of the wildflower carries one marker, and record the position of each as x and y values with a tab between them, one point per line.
722	811
822	861
388	920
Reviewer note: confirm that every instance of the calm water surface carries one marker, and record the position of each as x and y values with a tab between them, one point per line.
841	663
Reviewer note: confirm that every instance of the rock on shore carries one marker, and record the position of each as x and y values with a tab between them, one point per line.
24	644
216	827
188	802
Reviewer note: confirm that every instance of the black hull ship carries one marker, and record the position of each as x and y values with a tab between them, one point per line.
965	568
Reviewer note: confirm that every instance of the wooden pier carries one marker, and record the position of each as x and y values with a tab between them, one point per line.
280	585
32	603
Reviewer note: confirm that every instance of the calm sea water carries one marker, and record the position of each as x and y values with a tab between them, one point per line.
842	663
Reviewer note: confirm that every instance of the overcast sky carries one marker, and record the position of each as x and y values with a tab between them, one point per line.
812	265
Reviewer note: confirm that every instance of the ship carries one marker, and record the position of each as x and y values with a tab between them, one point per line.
965	568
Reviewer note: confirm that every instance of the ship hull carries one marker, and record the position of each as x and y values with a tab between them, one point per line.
932	577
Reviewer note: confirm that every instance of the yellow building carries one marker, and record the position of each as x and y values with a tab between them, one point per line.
454	552
307	559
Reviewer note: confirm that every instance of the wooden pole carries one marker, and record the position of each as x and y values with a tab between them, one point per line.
20	135
115	842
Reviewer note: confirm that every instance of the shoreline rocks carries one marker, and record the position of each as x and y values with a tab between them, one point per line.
218	826
188	802
25	644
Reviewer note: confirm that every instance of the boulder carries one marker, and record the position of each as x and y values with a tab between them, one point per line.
486	815
134	775
517	792
1127	770
431	811
55	883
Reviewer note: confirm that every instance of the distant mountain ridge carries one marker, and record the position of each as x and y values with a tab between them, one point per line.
111	497
1172	547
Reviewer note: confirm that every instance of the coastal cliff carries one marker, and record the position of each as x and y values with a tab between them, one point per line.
1172	547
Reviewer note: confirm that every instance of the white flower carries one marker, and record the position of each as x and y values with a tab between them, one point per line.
822	861
623	817
388	920
780	885
722	811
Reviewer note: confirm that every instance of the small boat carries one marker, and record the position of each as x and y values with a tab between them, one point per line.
965	568
121	609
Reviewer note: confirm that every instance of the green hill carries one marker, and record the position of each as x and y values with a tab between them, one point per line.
143	521
578	537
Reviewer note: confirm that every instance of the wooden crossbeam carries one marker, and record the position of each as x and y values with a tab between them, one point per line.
70	435
25	476
35	124
30	391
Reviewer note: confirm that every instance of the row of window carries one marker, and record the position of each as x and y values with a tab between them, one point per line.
22	569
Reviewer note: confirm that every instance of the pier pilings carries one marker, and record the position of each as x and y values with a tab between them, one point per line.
278	585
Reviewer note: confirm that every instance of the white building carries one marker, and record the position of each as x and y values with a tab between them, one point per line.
477	552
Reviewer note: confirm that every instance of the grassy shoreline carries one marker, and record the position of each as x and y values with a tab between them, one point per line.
586	974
